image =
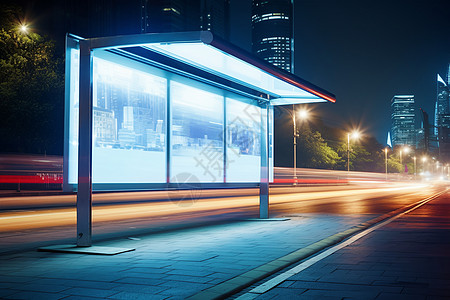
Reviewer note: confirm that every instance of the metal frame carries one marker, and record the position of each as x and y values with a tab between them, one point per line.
87	46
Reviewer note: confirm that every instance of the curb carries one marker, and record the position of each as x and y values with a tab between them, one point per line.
240	282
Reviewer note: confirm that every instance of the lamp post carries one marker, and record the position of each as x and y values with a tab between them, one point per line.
401	157
354	135
415	167
385	161
424	159
404	149
303	114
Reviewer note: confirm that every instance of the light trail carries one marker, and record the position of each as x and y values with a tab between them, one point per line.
24	220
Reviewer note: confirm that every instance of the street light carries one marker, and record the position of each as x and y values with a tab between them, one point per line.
23	28
353	135
303	115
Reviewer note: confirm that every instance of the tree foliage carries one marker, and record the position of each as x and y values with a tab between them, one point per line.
31	91
314	151
321	146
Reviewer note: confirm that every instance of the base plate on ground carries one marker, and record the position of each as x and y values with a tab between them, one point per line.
96	250
269	219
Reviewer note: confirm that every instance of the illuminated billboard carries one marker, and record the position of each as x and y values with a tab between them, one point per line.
160	109
151	126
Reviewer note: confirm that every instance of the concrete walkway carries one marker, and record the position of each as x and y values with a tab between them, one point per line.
408	258
187	263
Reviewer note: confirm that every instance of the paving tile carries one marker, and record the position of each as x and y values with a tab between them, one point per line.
89	292
391	296
35	295
4	292
138	280
46	288
138	288
136	296
185	278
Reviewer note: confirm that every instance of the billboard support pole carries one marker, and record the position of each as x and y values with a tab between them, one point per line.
84	193
264	182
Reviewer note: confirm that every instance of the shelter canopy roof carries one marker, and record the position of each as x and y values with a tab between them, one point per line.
203	51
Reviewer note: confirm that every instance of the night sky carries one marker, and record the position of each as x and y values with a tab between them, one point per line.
362	51
365	52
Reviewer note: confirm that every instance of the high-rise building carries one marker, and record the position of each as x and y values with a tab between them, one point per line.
117	17
448	75
186	15
215	16
403	120
171	15
272	32
442	104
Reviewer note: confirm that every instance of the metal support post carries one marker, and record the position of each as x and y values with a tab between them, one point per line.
264	183
295	144
84	194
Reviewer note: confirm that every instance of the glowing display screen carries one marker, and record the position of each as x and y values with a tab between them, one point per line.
197	134
129	129
243	141
73	116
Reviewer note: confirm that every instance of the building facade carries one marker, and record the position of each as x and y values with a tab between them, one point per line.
117	17
442	104
272	32
403	120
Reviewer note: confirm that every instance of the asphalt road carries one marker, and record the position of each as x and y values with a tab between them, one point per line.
35	221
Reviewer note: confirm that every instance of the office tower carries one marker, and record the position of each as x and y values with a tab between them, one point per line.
186	15
272	32
171	15
442	104
101	17
117	17
214	16
403	120
448	75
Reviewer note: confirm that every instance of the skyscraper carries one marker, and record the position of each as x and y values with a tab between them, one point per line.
186	15
442	104
403	120
272	32
116	17
171	15
448	75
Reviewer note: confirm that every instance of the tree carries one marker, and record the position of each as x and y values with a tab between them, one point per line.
31	90
313	151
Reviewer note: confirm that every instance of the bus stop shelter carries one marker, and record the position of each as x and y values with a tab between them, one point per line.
151	111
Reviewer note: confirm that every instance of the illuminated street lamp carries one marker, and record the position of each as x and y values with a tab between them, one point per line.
303	115
23	28
353	135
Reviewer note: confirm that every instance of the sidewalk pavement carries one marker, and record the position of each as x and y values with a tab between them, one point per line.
180	264
408	258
